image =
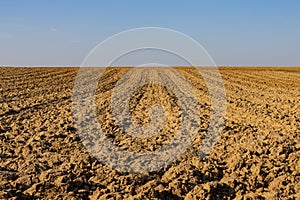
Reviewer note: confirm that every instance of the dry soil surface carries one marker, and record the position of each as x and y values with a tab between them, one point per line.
257	156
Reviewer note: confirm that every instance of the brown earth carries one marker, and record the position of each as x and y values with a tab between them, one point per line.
256	157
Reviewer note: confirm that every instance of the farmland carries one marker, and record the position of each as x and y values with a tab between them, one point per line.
257	154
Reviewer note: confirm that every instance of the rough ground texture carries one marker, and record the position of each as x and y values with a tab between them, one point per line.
256	157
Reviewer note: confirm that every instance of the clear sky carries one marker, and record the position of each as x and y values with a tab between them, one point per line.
62	32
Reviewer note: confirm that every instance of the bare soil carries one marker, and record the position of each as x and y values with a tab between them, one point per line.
256	157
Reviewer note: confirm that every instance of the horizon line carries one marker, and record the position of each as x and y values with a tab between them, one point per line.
78	66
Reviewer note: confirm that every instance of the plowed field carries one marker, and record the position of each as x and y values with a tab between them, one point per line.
257	156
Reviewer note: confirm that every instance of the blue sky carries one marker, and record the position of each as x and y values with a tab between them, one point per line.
50	33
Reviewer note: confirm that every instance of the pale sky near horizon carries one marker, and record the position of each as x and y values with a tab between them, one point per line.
234	32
